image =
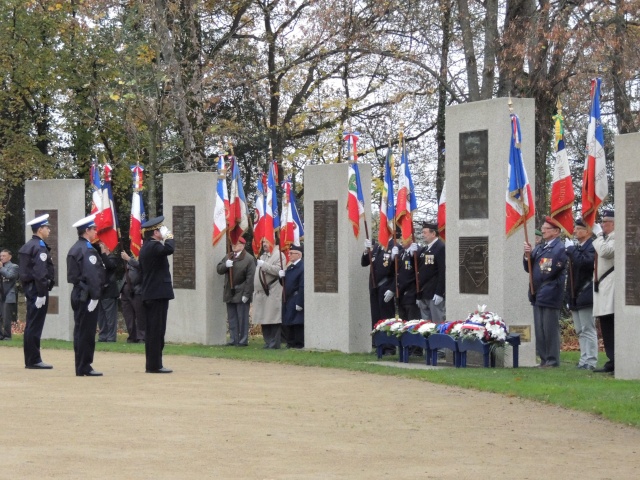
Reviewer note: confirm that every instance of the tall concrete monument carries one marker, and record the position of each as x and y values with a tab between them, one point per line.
483	265
336	291
627	257
198	314
64	201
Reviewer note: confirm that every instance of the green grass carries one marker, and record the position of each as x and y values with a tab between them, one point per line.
599	394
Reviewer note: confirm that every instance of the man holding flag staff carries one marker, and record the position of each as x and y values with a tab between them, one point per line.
548	261
603	286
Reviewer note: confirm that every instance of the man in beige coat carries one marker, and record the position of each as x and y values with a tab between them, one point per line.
603	291
267	295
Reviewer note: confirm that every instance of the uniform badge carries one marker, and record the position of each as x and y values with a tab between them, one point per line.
545	264
43	257
93	259
429	260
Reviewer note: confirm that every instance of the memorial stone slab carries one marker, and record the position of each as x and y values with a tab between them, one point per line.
336	294
64	201
485	267
197	314
627	255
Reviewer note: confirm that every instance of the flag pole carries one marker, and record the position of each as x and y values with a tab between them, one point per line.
223	176
395	236
524	219
270	164
413	235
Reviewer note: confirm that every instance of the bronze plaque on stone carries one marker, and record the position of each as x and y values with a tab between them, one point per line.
325	246
53	308
632	243
474	265
184	256
474	174
523	330
52	241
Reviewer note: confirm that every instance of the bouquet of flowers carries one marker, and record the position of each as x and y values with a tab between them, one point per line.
486	326
451	328
419	327
390	325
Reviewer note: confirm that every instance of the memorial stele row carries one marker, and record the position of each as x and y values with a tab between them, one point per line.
484	266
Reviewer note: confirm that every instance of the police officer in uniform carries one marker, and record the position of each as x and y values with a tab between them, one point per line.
37	277
156	289
86	272
381	280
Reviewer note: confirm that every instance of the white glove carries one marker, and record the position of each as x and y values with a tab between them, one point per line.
40	301
597	230
281	273
437	299
228	263
367	244
568	243
394	252
245	299
260	263
164	230
412	248
298	308
388	295
92	305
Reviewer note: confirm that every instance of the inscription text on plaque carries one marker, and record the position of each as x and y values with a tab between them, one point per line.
474	174
325	246
632	243
184	256
474	265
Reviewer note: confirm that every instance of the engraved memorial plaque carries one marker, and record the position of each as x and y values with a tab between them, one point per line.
632	243
474	174
184	256
474	265
325	246
523	330
52	241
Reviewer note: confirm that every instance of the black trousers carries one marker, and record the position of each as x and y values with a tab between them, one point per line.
84	332
608	338
34	326
294	335
156	316
409	311
379	308
133	313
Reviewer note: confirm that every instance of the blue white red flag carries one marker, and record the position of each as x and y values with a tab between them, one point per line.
519	200
442	213
221	207
96	188
106	218
238	213
259	220
387	207
595	187
272	218
406	203
138	215
291	228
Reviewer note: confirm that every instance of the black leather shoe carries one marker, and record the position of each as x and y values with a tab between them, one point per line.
160	370
39	366
603	370
92	373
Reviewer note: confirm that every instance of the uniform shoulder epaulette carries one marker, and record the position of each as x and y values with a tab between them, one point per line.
42	244
89	246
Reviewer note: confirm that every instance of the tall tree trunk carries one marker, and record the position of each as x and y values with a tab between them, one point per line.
490	46
621	102
464	18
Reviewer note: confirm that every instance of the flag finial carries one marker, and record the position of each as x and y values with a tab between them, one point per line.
510	103
559	106
270	151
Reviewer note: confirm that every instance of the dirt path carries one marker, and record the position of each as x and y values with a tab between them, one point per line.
225	419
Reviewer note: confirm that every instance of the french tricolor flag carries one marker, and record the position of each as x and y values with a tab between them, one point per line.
106	219
519	200
221	208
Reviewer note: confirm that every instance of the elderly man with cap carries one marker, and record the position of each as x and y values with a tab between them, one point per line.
580	294
267	295
603	286
238	268
432	271
548	263
156	290
86	272
293	309
37	278
9	273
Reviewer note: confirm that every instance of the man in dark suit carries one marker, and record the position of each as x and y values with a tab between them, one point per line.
37	277
580	294
293	311
86	272
157	289
432	271
381	280
9	273
548	263
407	284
